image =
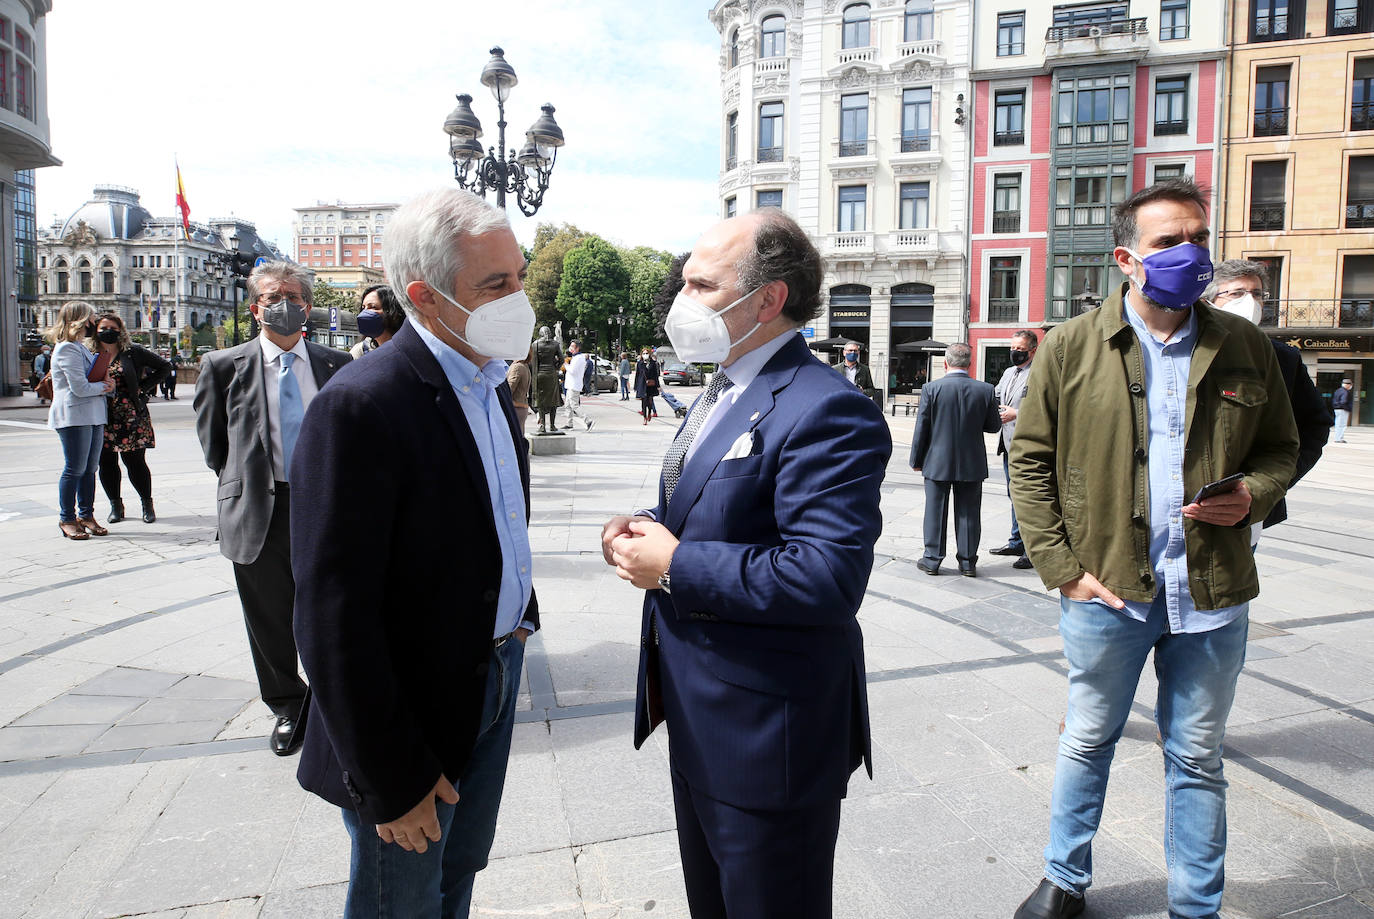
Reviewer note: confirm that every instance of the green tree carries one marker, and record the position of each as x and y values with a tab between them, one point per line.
663	301
594	285
326	296
551	246
647	268
245	318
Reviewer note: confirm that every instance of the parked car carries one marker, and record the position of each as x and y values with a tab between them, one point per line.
682	374
607	380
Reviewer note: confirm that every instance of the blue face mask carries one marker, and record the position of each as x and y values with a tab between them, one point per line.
1175	277
371	323
851	358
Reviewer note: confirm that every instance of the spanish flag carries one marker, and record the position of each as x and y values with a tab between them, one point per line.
181	203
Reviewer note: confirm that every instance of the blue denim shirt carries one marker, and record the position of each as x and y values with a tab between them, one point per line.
1167	364
476	391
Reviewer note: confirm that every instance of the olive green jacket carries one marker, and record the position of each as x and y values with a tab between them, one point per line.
1079	473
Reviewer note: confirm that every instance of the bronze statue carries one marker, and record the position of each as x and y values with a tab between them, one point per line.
548	359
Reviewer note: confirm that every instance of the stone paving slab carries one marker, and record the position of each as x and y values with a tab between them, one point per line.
188	815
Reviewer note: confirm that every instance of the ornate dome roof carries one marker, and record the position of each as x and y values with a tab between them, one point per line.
113	213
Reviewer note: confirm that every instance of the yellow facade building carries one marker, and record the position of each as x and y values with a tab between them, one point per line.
1296	175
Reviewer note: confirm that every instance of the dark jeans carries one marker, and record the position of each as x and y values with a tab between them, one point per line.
624	387
1015	540
81	445
136	461
386	880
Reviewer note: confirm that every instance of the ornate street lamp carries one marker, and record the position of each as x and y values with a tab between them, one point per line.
231	268
525	174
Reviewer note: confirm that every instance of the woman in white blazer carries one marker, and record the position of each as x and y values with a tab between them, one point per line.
78	417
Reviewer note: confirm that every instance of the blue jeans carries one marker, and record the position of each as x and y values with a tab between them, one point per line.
81	445
1197	681
1342	419
387	881
624	387
1015	540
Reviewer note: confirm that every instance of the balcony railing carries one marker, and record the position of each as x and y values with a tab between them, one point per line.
770	154
928	47
913	143
1266	216
1171	127
1004	310
731	162
1097	30
1345	313
1359	212
770	65
907	240
1345	21
1008	49
850	243
1008	138
853	148
1114	132
851	55
1006	221
1271	121
1272	28
1362	116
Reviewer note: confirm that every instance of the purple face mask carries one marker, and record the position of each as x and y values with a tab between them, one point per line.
1177	276
371	323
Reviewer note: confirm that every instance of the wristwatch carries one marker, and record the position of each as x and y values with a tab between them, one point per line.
663	581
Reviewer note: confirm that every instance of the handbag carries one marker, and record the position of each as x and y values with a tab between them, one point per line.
44	387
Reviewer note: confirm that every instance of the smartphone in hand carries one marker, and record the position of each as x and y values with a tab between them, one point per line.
1219	487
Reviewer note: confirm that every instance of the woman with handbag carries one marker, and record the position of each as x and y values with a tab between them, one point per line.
647	374
136	372
78	416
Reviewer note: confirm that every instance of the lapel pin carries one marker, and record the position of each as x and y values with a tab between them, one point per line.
754	417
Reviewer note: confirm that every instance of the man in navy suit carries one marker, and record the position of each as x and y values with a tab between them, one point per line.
754	564
949	452
413	565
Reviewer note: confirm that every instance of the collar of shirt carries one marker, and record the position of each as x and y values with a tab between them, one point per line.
460	371
750	364
952	371
1181	335
271	353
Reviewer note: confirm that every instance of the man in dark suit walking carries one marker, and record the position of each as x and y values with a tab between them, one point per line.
249	403
950	454
413	566
754	564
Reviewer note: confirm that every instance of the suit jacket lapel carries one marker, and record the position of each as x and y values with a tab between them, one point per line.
251	369
428	369
322	363
748	412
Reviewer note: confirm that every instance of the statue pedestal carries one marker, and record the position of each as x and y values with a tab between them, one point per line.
552	444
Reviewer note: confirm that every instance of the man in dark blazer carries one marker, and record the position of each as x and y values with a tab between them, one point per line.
413	566
754	564
238	407
950	454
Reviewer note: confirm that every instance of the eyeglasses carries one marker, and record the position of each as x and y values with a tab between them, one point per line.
1240	292
268	299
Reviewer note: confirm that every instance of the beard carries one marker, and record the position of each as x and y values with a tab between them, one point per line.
1155	303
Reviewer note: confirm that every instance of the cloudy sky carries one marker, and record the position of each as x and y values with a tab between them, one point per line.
274	104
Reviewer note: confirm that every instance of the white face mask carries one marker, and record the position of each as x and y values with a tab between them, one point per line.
698	333
1246	307
498	328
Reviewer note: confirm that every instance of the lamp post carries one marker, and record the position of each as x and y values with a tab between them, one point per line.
524	175
230	268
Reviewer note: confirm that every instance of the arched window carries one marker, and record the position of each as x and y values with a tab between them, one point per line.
734	48
62	276
138	318
855	33
195	319
107	276
774	37
920	20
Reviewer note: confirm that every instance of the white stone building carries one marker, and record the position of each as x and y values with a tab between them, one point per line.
851	117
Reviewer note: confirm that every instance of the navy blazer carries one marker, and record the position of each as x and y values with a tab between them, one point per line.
757	658
398	571
1309	411
956	410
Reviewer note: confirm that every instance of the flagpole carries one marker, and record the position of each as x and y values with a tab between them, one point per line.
176	259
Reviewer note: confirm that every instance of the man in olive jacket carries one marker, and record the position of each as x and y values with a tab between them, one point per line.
1132	408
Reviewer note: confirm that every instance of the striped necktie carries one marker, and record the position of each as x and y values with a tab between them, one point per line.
677	453
291	410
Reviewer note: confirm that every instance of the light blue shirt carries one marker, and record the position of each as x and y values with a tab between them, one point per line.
476	392
1167	364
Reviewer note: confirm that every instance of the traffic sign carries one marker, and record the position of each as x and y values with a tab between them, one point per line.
808	332
262	260
333	319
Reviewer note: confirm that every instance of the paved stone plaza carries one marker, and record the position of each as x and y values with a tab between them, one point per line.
135	778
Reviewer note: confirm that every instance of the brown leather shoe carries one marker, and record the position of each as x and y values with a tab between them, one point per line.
73	530
92	527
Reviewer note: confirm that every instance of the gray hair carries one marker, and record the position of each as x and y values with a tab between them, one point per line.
1027	336
281	271
959	356
424	238
783	252
1233	269
856	344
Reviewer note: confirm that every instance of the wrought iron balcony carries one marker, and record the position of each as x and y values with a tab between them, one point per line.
853	148
1359	212
1006	221
1358	314
1097	30
916	141
1272	28
1270	122
1171	127
1004	309
770	154
1008	138
1267	216
1345	313
1362	116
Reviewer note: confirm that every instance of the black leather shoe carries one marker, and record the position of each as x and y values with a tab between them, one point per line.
970	571
1050	902
1008	549
1023	564
288	735
116	512
927	568
149	515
